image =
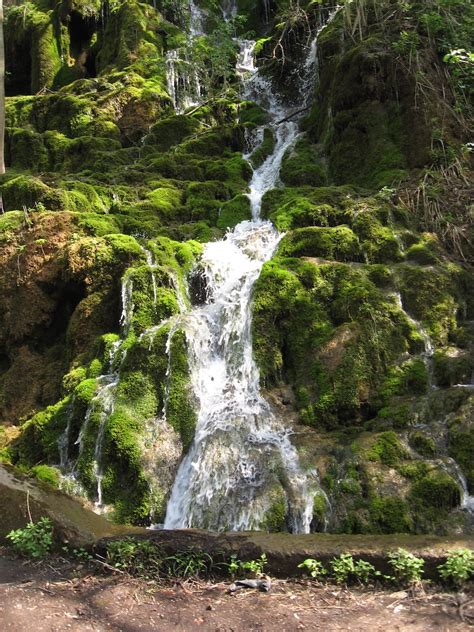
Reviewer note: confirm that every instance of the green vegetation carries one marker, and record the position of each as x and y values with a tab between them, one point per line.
35	540
458	568
373	202
407	567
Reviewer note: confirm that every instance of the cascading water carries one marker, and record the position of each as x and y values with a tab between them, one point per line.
241	454
184	85
428	354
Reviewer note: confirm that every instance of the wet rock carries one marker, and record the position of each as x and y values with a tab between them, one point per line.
73	523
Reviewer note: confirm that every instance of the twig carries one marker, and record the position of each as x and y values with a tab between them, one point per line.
28	505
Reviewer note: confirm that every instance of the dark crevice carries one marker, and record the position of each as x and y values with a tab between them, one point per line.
18	68
67	299
81	32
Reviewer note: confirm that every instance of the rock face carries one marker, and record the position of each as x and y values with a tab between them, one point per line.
73	523
363	319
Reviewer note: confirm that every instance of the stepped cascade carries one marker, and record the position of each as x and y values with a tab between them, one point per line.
236	262
225	480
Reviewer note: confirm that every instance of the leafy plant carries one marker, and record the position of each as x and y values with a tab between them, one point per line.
342	567
35	540
314	568
459	567
188	564
364	571
143	558
136	557
253	566
408	568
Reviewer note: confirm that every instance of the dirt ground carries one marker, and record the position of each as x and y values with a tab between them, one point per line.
56	596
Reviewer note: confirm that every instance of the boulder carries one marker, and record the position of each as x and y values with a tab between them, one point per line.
21	496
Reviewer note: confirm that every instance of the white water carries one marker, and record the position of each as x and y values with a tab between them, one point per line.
63	441
241	452
428	354
467	501
184	84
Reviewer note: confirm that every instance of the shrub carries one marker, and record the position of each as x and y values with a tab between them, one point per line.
314	568
458	568
408	568
35	540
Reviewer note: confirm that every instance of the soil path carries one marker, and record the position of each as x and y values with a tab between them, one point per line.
58	597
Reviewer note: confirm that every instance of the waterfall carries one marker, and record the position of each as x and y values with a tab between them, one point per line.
241	452
64	438
428	354
452	468
184	84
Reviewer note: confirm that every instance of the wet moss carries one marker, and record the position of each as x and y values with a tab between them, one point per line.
386	449
423	444
389	515
233	212
432	497
338	243
39	436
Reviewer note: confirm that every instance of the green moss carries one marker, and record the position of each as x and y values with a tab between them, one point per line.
410	378
26	150
320	509
275	517
265	148
386	449
171	131
252	115
46	474
378	242
389	515
180	411
423	444
39	436
234	212
431	296
414	471
27	191
426	252
461	448
434	495
303	166
338	243
452	367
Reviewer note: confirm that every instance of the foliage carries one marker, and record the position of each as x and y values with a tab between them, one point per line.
314	568
143	558
35	540
458	568
342	568
407	567
255	567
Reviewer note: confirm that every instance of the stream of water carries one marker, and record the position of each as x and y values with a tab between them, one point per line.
241	455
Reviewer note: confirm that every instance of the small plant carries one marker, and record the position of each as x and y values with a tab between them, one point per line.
314	568
145	559
255	566
188	564
365	571
408	568
342	567
234	565
136	557
458	568
35	540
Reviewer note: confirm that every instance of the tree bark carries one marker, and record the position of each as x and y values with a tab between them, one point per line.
2	93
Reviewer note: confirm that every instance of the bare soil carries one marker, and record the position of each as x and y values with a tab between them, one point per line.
58	596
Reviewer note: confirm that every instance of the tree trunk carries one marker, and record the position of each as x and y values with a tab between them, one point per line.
2	93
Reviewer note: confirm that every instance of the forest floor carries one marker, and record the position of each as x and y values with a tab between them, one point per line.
57	595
